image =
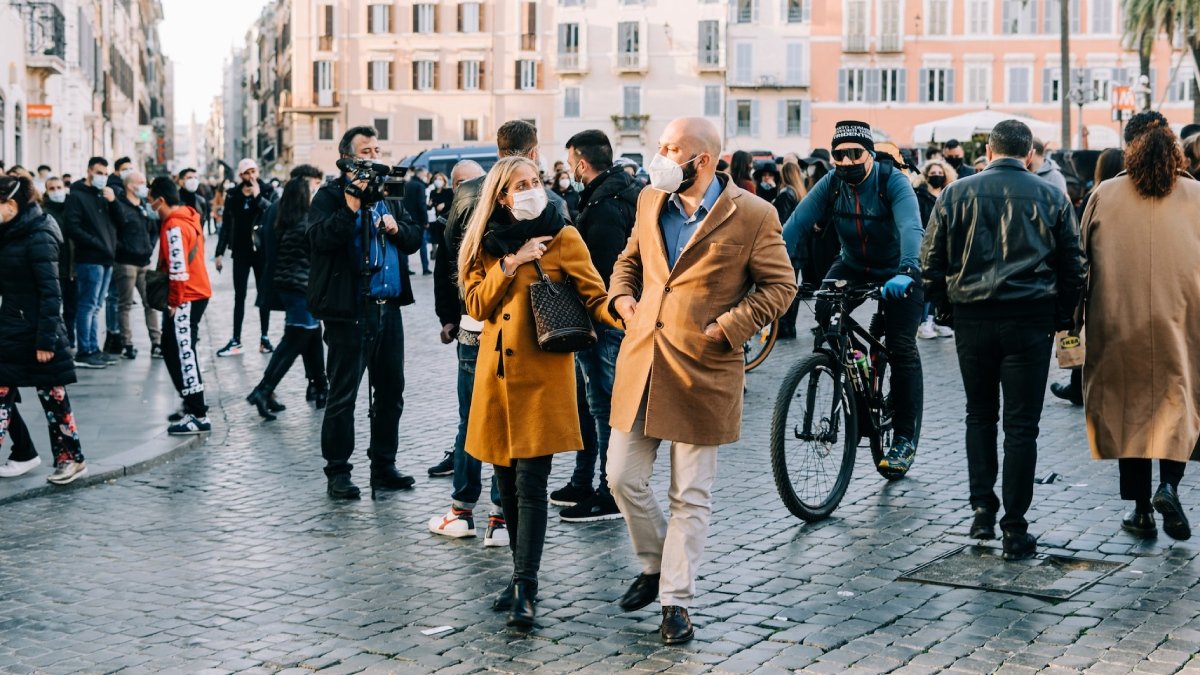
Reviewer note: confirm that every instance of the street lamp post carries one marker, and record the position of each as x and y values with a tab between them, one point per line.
1081	94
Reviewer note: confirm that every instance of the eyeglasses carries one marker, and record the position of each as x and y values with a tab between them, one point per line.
853	154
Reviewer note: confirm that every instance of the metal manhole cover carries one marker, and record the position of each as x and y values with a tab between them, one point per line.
1052	577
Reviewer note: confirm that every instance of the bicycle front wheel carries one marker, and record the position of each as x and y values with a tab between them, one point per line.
814	435
759	346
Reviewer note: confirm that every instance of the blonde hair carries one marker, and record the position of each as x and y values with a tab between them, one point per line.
951	174
493	187
793	177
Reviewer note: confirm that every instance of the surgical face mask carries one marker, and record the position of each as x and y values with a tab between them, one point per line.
57	196
564	183
141	192
937	182
529	204
439	183
99	181
125	173
576	181
191	184
668	176
852	174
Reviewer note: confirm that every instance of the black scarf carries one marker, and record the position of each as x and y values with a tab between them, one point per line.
505	234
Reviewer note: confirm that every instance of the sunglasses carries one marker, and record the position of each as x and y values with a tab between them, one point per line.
853	154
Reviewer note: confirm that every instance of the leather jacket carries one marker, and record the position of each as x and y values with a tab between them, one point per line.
1003	243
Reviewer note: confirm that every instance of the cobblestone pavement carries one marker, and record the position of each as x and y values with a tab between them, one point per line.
231	559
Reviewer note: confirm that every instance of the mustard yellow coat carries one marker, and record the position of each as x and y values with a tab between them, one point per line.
524	401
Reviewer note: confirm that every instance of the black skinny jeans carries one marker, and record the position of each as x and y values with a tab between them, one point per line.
297	342
1013	356
525	503
242	266
1136	476
902	315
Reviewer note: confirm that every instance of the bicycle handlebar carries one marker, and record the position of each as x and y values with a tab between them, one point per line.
840	288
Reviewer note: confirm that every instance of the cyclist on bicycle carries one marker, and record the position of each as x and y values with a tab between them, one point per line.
875	214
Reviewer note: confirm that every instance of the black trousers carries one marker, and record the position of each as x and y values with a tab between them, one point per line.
297	341
22	443
1136	476
242	266
375	344
525	503
1013	356
902	315
180	348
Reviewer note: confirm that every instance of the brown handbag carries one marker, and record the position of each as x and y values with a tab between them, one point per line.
563	324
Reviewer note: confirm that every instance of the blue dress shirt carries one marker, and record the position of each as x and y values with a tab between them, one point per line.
678	228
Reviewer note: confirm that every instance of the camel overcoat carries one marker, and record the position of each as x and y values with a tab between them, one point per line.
524	401
735	271
1141	374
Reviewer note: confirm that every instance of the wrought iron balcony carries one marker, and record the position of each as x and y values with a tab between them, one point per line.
45	35
630	124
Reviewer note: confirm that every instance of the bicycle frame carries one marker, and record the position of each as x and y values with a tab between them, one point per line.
843	335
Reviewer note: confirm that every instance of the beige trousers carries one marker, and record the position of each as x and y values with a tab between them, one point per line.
670	547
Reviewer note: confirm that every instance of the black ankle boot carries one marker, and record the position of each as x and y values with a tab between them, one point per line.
273	403
504	601
258	399
310	394
522	613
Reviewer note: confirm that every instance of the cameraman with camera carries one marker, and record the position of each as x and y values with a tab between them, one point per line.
357	284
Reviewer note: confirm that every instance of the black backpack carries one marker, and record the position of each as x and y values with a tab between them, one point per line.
836	186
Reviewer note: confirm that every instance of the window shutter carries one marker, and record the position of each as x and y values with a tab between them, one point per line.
481	27
416	20
923	87
1006	17
371	75
901	85
437	75
1047	91
731	119
874	84
754	10
842	75
517	79
461	65
1076	24
391	19
949	83
754	119
806	10
460	18
480	76
437	18
316	77
539	71
781	130
806	118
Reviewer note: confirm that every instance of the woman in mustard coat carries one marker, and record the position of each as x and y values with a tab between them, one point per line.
523	409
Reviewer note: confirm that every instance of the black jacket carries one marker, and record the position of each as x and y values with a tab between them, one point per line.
446	300
1004	244
415	202
88	222
243	214
605	221
266	297
925	202
291	256
197	202
137	232
334	270
573	200
31	303
66	253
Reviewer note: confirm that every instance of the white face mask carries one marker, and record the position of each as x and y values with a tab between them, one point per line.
141	192
666	175
58	196
564	183
125	173
99	181
191	184
529	204
439	183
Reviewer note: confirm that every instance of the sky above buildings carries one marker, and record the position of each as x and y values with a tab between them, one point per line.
197	36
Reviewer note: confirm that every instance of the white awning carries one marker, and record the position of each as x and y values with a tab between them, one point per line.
963	127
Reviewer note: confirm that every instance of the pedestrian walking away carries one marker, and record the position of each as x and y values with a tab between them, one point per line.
524	398
875	214
1006	302
1141	372
33	339
245	205
704	269
181	258
358	281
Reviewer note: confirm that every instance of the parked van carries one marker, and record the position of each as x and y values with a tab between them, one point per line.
444	158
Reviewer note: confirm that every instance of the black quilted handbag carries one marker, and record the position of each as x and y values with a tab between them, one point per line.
563	324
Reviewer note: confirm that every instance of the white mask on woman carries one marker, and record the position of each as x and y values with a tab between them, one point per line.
191	184
439	183
529	204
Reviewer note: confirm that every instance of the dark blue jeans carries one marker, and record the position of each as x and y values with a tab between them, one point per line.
92	284
468	481
376	343
599	366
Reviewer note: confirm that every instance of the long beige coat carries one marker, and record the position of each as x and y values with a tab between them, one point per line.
735	271
1141	376
524	402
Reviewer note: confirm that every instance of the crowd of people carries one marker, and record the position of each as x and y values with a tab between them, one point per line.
676	264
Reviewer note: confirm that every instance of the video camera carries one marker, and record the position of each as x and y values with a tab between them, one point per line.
375	174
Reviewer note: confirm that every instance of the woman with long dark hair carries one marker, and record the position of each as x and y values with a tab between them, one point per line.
791	190
741	169
1141	375
33	338
302	332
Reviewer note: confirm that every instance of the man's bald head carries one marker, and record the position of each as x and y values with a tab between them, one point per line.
696	134
464	171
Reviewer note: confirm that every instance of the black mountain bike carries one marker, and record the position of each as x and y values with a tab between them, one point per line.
828	402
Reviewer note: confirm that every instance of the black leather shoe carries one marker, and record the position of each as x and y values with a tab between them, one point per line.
1019	545
643	592
1067	393
984	526
341	487
503	601
1140	525
273	404
676	627
522	613
1175	522
259	400
389	478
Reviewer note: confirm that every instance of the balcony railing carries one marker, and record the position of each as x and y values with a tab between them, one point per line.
855	43
629	60
630	124
45	34
570	62
710	59
891	42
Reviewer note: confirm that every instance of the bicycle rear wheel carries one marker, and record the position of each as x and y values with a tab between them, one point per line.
759	346
814	435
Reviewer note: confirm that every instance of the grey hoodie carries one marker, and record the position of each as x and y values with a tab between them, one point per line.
1050	172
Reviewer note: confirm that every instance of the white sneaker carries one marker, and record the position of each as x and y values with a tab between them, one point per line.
944	331
926	330
456	523
13	469
67	472
497	532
